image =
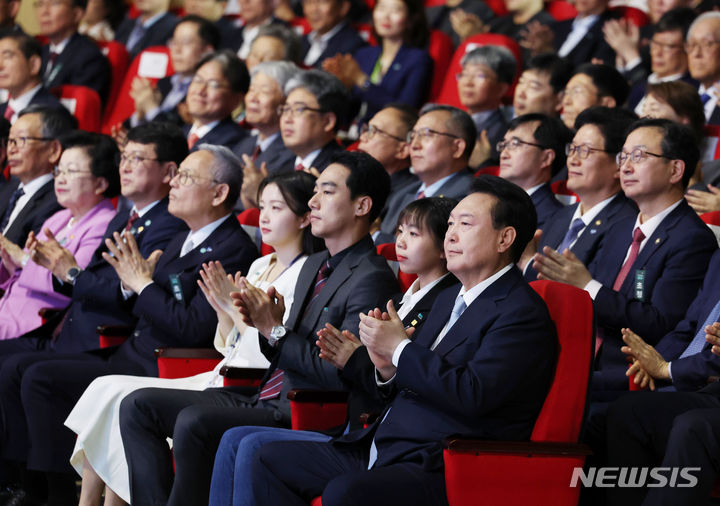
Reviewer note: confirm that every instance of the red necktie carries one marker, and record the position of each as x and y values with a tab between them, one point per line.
420	195
132	219
8	112
256	152
192	140
299	166
638	237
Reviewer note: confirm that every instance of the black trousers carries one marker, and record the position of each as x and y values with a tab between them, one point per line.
668	429
294	472
196	422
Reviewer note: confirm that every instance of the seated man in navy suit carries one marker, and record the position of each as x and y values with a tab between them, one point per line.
193	38
461	375
704	62
20	74
153	27
533	151
333	287
219	85
650	267
487	74
70	58
40	389
594	176
315	109
440	145
331	33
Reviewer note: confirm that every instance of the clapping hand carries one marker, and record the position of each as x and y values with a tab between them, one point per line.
262	310
564	267
381	333
335	346
133	270
50	254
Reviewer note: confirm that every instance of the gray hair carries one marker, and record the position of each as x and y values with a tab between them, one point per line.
499	59
705	15
227	169
56	121
459	123
330	93
290	39
279	71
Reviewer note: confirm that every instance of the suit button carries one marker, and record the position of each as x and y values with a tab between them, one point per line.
136	333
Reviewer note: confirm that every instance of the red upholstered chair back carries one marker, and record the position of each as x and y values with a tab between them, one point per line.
440	48
83	103
561	10
154	63
449	92
119	60
560	419
250	221
388	251
633	14
563	194
493	170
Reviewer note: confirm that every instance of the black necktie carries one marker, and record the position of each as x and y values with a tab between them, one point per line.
11	205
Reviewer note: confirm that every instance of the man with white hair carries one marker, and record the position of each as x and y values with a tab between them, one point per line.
703	51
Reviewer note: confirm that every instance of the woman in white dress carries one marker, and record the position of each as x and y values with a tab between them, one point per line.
284	217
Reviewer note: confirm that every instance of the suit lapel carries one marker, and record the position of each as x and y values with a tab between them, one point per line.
304	286
658	238
30	206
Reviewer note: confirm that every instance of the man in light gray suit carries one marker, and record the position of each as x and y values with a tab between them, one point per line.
440	146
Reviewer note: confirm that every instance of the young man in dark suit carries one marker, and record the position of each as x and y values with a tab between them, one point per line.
165	298
68	57
533	151
331	33
333	287
461	375
219	85
594	176
153	27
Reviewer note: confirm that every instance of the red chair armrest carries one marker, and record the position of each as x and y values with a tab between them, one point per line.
516	447
335	396
317	410
242	376
184	362
113	335
47	313
204	353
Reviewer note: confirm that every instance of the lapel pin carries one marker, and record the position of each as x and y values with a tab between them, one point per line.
140	229
206	250
657	241
598	222
593	231
397	66
133	230
413	323
147	223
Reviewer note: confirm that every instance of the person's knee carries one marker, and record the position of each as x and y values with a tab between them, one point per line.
190	432
132	408
690	425
346	490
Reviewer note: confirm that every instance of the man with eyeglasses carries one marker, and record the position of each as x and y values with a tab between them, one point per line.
440	145
703	51
593	176
650	266
317	105
532	151
384	138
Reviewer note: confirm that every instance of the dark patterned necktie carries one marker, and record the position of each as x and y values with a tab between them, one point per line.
11	205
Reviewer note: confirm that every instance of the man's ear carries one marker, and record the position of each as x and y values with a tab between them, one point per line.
221	194
345	8
55	152
35	65
13	8
330	120
363	205
677	171
459	146
506	238
608	101
168	168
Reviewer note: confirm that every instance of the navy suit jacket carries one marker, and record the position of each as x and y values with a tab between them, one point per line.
457	187
693	372
715	117
182	318
407	80
278	158
42	97
39	208
475	382
673	262
361	281
591	46
546	204
345	41
157	35
81	63
96	296
592	237
226	133
638	91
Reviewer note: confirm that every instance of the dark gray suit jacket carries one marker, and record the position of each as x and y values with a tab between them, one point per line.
41	206
278	158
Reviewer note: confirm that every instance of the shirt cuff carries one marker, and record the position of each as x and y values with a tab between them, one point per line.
670	370
379	381
593	287
126	293
398	351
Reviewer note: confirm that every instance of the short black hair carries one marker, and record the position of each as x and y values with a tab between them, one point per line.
168	140
608	81
367	177
460	123
56	121
551	133
678	143
104	156
29	46
207	30
233	68
408	114
513	208
612	122
80	3
330	93
431	215
558	68
679	18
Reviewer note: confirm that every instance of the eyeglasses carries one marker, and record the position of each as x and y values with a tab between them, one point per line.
583	150
135	159
481	76
515	143
705	45
296	110
70	173
665	47
212	84
636	155
21	142
185	178
426	133
40	3
369	132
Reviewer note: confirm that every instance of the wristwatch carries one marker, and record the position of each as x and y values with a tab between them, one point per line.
277	333
72	275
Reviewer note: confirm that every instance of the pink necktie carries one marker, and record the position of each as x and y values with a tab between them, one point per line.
192	140
638	237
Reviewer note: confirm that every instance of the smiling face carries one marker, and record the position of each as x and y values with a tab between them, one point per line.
704	51
323	15
265	48
195	201
596	174
433	157
279	225
76	188
580	94
209	96
143	179
262	101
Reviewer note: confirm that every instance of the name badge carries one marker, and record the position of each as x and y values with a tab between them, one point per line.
639	285
176	287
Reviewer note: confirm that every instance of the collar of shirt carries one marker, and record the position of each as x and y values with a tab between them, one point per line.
144	210
580	28
264	144
33	186
308	160
59	47
532	190
180	81
654	79
588	216
431	190
202	130
151	21
21	102
648	228
584	23
481	117
473	293
412	297
203	233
